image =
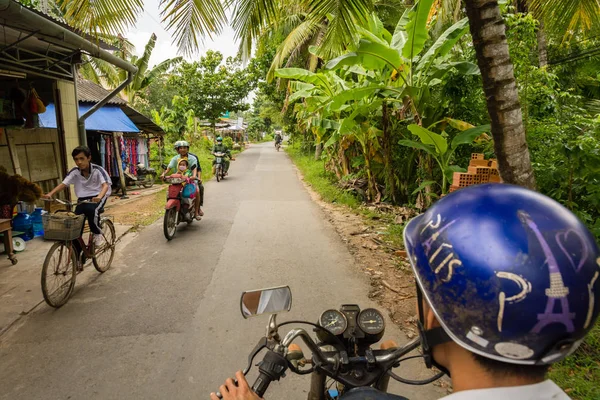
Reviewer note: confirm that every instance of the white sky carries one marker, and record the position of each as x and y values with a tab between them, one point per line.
149	22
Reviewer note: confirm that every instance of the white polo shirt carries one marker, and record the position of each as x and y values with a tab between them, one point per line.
90	186
546	390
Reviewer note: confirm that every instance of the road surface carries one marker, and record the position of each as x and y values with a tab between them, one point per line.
164	322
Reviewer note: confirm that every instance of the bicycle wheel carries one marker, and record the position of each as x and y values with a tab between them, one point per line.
58	274
103	255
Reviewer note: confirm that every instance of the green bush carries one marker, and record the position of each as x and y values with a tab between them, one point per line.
227	141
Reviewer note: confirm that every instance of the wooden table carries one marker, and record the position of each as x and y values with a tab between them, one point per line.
6	229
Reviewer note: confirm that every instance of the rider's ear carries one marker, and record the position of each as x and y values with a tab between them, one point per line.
430	318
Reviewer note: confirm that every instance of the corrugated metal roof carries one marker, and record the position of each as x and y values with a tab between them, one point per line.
89	92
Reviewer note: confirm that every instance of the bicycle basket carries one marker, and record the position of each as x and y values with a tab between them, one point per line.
62	226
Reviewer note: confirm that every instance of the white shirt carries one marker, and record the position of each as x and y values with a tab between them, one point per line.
546	390
90	186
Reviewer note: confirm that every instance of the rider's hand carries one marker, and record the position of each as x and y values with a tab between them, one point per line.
96	199
47	196
231	391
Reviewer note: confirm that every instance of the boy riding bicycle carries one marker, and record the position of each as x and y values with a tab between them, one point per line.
92	183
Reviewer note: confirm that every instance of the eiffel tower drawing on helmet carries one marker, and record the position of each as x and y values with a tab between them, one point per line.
557	292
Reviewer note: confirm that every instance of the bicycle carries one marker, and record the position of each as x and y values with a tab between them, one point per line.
62	264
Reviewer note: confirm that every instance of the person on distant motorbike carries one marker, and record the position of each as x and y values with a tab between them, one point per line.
508	282
278	138
183	149
219	147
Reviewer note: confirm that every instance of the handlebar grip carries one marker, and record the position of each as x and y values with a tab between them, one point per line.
271	368
261	384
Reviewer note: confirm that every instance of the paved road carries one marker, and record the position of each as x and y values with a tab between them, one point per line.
164	322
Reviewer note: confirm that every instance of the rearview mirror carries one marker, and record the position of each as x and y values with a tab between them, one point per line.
266	301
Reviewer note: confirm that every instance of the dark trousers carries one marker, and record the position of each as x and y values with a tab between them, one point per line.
92	213
201	189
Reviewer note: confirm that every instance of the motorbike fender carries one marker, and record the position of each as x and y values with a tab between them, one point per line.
173	203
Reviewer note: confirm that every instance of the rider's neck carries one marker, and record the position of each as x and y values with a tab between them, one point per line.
468	374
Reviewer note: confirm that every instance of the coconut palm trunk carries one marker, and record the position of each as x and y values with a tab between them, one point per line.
489	38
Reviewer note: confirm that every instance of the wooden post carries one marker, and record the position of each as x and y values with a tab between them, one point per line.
120	165
14	156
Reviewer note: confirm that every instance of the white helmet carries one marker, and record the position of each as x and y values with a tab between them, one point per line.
181	143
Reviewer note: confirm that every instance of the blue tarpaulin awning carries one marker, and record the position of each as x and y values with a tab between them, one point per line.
108	119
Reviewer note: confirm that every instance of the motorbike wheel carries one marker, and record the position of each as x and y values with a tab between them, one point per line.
170	223
148	182
218	173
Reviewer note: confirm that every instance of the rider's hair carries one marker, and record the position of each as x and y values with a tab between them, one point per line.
81	149
503	370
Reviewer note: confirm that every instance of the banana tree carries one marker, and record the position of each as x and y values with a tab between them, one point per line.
440	148
403	69
316	90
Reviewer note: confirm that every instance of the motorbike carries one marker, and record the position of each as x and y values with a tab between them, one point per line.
277	145
219	166
144	176
341	351
179	207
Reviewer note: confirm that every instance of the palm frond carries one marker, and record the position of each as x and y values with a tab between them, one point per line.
343	17
100	72
250	17
313	59
301	35
191	19
567	17
101	16
142	62
161	69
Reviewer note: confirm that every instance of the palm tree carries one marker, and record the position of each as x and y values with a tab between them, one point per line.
510	145
145	76
109	76
191	20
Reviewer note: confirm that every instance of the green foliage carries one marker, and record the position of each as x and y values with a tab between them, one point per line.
439	148
227	141
213	88
579	374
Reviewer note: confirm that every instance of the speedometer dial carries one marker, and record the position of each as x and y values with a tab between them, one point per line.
334	321
371	321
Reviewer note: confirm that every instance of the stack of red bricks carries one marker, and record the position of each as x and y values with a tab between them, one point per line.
480	171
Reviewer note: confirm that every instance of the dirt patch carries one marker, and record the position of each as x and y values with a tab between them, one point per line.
141	212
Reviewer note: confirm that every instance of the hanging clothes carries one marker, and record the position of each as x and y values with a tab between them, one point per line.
103	152
143	151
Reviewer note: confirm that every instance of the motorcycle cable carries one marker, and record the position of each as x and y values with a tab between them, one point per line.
410	381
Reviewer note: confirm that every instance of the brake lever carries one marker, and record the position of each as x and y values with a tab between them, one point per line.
262	344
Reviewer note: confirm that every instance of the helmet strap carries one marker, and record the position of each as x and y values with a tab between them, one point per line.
430	337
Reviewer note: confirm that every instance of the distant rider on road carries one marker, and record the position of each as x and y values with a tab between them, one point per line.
219	147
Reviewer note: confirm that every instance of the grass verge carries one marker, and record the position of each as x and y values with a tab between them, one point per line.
320	180
579	374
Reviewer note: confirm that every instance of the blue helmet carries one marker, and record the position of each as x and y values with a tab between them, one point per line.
510	274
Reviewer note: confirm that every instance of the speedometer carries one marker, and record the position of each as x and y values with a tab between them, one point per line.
371	321
334	321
